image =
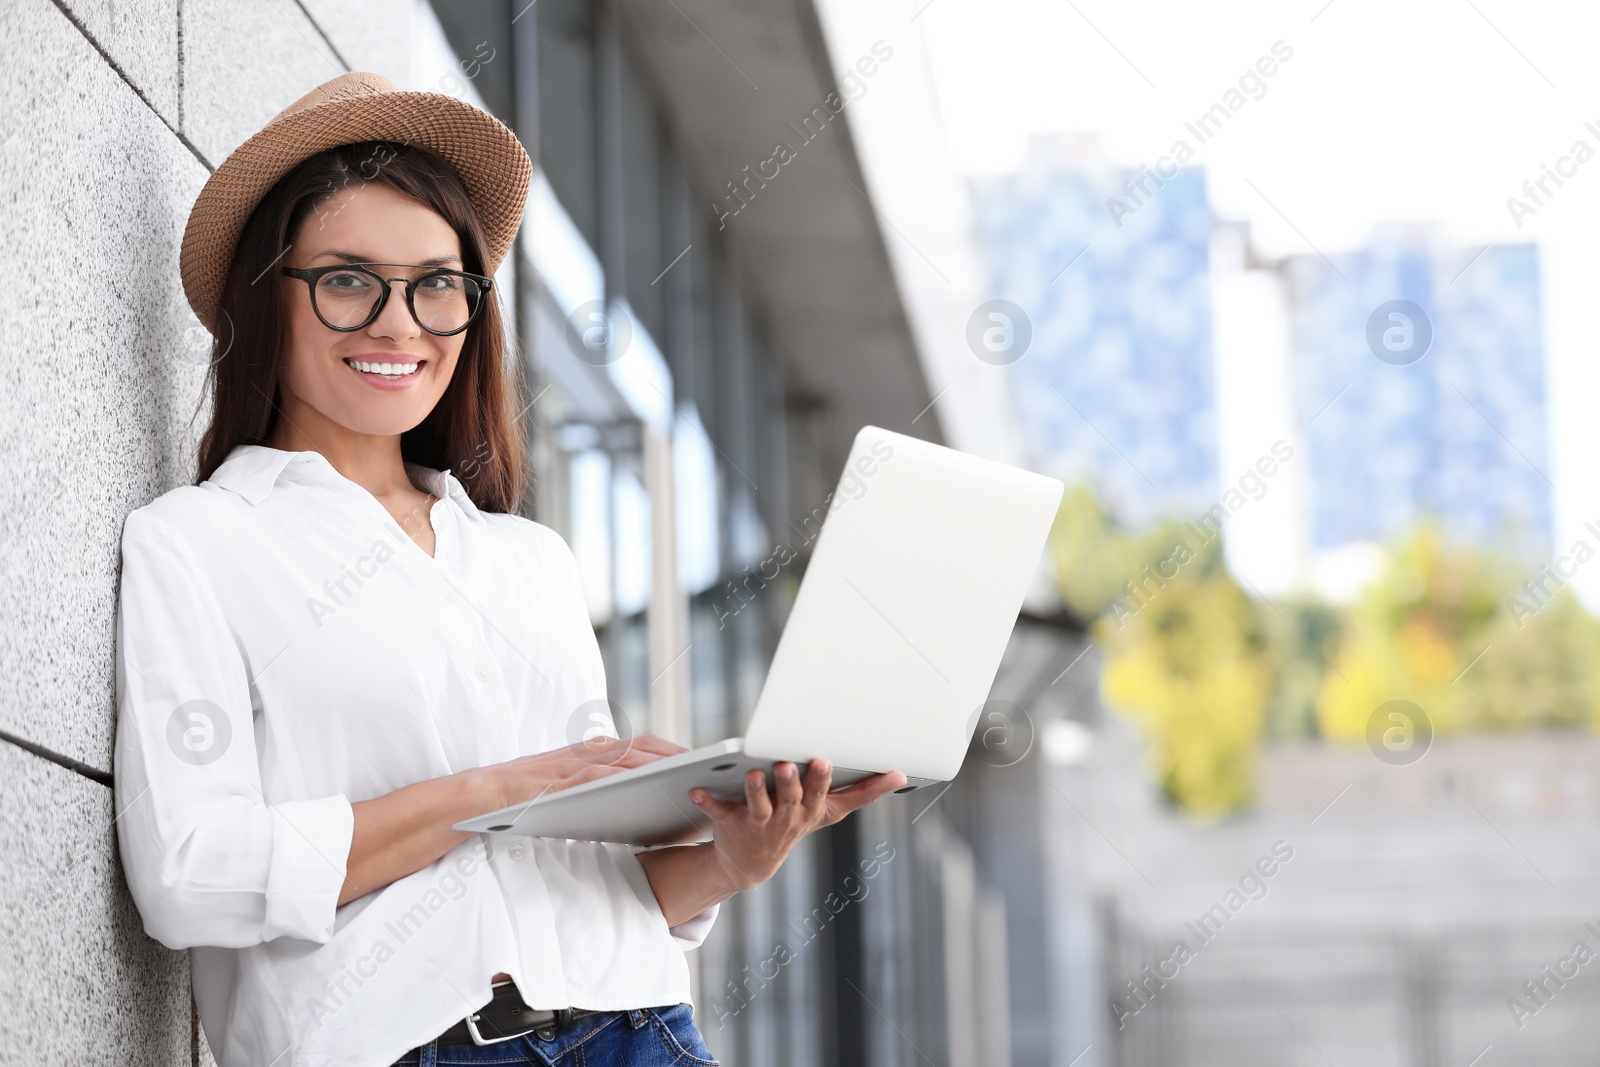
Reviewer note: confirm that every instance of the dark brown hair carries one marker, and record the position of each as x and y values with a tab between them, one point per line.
471	431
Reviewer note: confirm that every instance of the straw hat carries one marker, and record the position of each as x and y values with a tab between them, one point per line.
358	106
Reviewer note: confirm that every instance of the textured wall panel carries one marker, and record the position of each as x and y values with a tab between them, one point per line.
99	369
80	980
244	63
142	40
371	35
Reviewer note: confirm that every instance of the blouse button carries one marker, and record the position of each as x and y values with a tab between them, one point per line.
452	596
483	675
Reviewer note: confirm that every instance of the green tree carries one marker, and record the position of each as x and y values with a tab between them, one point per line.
1186	657
1436	628
1207	672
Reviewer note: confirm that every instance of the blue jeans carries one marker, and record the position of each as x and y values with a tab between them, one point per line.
639	1037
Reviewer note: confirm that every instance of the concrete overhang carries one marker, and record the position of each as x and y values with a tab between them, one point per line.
737	80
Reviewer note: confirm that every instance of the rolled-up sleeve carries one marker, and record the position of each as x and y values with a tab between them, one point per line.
691	933
208	859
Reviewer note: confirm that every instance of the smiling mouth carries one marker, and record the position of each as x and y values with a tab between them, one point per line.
388	371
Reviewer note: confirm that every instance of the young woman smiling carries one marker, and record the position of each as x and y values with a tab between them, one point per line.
343	639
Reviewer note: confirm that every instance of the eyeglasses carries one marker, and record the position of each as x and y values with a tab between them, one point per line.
349	296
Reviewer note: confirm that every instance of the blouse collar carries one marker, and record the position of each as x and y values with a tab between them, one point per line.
252	471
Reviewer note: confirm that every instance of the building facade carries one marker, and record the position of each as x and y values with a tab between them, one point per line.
1108	267
1441	412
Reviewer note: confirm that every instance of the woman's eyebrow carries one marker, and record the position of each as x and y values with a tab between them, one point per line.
351	257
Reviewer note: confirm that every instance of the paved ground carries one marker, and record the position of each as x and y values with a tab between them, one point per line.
1415	904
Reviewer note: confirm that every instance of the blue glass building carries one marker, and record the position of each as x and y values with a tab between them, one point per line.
1116	386
1458	434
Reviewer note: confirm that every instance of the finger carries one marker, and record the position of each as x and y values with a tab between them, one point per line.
614	752
599	749
604	748
818	779
717	809
755	796
787	776
633	756
873	786
864	792
657	744
596	743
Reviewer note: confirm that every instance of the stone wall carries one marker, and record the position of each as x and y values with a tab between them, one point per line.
114	115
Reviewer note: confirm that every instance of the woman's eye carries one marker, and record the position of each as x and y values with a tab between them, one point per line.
345	283
440	283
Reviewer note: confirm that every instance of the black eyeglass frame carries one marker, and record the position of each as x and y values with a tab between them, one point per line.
312	275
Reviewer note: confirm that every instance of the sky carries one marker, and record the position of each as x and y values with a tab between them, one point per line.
1429	109
1424	111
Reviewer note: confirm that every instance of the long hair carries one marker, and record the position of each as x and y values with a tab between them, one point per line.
471	431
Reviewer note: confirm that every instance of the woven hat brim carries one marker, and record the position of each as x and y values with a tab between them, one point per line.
492	164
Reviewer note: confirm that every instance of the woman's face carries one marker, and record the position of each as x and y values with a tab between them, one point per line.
320	383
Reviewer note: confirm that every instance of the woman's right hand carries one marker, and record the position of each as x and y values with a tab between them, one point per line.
527	778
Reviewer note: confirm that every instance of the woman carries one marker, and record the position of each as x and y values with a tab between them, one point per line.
342	640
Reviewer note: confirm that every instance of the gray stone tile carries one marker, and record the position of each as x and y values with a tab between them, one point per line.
370	35
98	386
142	40
203	1054
244	63
80	980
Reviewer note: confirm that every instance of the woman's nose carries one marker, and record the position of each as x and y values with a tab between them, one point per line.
386	325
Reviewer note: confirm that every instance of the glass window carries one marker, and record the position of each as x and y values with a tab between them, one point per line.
632	531
643	258
590	536
568	147
480	35
695	477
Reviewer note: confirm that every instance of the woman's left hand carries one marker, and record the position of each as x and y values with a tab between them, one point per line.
753	835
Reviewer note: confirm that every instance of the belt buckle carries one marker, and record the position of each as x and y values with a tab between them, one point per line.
479	1039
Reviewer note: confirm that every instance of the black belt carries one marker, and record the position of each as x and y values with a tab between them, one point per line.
506	1017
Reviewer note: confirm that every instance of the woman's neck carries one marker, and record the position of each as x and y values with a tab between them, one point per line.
368	459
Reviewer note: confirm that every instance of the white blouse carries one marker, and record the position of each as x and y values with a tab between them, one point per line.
284	648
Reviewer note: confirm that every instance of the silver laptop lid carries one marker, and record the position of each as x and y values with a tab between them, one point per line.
905	608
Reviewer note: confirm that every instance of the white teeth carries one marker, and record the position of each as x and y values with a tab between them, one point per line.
392	370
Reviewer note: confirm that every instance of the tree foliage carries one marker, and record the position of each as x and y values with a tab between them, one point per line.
1186	657
1435	628
1207	672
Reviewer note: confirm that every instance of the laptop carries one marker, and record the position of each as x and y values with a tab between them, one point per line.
894	639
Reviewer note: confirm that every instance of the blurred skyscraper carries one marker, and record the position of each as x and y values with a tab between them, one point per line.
1452	426
1116	385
